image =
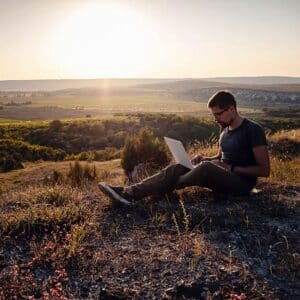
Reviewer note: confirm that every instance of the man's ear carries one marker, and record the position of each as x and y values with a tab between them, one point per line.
232	108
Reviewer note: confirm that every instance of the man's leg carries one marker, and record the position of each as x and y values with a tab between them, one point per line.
213	176
158	184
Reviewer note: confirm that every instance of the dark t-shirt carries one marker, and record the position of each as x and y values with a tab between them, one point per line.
237	144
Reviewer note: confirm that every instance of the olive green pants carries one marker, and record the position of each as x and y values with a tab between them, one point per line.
206	174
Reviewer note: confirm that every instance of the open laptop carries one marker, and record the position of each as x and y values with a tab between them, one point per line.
178	152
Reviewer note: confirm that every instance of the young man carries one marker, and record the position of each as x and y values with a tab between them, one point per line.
242	157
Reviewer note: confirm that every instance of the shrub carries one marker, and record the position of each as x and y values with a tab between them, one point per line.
10	163
144	148
24	151
56	125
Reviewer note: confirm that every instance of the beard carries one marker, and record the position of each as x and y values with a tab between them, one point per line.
225	124
222	125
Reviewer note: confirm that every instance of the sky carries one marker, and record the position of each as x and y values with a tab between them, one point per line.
43	39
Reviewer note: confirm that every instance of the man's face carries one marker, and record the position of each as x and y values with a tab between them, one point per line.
223	116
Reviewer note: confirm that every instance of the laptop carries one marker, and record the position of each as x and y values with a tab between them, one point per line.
178	152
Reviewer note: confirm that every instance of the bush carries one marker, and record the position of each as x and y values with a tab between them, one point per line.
144	148
29	152
56	125
10	163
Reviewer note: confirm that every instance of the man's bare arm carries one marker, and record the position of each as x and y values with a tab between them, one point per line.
262	168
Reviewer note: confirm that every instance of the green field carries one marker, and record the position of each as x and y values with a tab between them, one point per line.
61	107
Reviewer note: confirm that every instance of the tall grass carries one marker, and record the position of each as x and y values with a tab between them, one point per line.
79	174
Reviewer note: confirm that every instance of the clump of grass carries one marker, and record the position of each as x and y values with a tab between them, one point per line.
57	196
38	219
56	177
79	233
199	250
79	174
44	208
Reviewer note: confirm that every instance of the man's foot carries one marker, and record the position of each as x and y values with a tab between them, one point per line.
115	194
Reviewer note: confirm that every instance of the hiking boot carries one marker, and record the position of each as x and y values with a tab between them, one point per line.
115	194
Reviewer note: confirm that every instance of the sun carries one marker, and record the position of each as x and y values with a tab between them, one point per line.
103	41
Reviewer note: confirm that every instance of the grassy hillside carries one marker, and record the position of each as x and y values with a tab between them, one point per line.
61	238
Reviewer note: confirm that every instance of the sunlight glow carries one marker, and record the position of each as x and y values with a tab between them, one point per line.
103	41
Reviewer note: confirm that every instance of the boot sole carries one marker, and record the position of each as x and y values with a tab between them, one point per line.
112	195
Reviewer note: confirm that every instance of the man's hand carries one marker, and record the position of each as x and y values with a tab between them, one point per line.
197	159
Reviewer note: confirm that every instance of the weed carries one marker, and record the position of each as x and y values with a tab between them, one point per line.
159	218
200	247
78	233
199	250
186	218
176	224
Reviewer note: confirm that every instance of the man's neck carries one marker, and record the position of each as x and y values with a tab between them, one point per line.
236	122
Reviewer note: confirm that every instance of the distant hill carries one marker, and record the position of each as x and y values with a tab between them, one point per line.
62	84
256	80
249	91
178	84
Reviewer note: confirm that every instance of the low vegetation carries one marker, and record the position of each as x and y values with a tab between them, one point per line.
104	139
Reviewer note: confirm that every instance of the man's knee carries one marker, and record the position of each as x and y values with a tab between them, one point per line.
177	168
206	167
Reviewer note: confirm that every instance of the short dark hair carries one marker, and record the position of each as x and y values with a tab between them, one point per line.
222	99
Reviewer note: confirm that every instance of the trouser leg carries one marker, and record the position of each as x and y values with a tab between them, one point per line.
206	174
160	183
210	175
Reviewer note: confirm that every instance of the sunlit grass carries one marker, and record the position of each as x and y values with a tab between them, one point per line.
285	171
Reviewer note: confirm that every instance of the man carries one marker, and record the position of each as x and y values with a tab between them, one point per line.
242	157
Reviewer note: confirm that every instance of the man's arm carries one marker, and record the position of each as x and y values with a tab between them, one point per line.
262	168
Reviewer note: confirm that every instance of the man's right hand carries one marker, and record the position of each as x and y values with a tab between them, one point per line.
197	159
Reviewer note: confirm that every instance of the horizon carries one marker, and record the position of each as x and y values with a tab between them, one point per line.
156	78
132	39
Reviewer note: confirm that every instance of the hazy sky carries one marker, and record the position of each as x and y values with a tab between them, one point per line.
42	39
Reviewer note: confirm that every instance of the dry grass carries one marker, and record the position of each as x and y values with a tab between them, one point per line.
285	172
293	135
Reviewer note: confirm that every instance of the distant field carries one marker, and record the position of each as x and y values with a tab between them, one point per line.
75	107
